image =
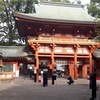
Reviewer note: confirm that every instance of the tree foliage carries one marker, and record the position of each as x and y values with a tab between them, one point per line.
95	1
78	2
94	8
97	28
65	1
8	32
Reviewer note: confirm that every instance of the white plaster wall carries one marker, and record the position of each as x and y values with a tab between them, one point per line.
17	73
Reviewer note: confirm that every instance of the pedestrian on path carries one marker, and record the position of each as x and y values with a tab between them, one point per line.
70	80
45	77
93	85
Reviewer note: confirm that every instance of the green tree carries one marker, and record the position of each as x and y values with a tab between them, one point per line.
8	32
94	8
95	1
65	1
78	2
56	0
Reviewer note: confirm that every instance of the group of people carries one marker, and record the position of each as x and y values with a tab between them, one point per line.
45	78
93	86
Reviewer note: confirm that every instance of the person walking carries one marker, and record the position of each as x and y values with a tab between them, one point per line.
45	77
93	85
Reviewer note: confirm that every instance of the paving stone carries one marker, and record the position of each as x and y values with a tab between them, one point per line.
21	89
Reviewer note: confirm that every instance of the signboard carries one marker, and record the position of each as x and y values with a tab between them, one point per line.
61	62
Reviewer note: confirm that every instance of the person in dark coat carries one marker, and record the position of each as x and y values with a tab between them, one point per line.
53	77
30	72
93	85
35	76
45	78
70	80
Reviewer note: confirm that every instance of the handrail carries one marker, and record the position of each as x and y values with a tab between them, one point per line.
61	40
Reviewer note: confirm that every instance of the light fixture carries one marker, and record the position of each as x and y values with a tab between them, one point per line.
29	28
77	31
90	31
16	18
40	29
53	30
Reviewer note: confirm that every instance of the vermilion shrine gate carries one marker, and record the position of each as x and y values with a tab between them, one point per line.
60	32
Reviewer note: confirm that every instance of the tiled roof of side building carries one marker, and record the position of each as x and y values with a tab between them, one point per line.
96	54
60	11
13	51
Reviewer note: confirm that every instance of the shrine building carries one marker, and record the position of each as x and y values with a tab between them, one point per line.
10	58
60	35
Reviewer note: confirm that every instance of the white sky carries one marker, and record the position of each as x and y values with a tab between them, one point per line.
83	1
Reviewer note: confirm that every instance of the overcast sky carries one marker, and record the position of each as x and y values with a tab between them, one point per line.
83	1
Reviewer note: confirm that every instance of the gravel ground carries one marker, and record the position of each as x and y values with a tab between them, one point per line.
25	89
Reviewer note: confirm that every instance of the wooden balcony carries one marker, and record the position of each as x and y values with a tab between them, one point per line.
47	40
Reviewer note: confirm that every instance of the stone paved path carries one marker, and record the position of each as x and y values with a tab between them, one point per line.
21	89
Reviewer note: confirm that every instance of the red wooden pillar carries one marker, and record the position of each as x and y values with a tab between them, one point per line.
84	70
75	65
36	68
71	69
14	70
52	60
75	62
17	66
91	49
50	66
52	56
35	48
17	69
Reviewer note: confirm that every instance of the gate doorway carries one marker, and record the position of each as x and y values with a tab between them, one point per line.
79	71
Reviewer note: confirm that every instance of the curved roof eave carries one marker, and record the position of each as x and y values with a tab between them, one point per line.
26	17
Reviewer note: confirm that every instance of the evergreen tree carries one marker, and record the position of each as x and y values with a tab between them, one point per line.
8	32
65	1
94	8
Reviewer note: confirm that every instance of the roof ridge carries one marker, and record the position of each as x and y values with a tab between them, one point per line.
61	4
